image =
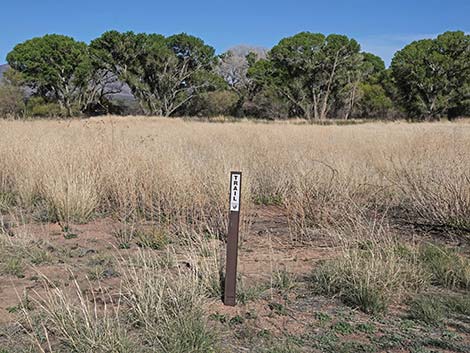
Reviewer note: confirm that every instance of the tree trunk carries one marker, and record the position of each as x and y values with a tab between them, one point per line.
351	101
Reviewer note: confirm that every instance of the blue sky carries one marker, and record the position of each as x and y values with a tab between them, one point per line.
381	27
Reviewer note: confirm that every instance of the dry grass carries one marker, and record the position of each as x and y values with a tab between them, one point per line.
159	307
373	270
70	321
166	303
448	267
165	183
175	172
19	252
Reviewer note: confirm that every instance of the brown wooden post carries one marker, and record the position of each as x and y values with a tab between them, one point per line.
230	293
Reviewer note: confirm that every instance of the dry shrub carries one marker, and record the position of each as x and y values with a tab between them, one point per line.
320	198
358	228
433	179
160	171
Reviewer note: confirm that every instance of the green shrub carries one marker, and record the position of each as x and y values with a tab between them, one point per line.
214	104
373	102
38	107
11	101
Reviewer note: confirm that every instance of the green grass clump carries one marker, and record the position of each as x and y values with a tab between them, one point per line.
281	346
370	278
343	328
322	318
154	238
16	253
124	236
268	199
77	322
37	255
447	267
7	200
435	308
283	280
246	294
459	304
13	266
167	308
428	309
101	266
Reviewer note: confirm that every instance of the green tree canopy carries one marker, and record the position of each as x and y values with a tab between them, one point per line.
163	74
433	75
11	94
55	66
308	69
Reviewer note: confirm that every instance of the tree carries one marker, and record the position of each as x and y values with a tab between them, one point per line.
376	67
11	95
54	66
213	103
433	75
233	68
372	99
366	67
308	69
164	74
98	87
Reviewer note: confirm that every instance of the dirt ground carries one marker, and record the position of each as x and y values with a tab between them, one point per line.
266	248
305	322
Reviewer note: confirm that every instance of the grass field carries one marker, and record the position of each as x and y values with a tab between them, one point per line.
354	238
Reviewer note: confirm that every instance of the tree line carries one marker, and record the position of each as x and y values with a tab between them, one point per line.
308	75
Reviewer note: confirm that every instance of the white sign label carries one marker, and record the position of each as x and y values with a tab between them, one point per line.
235	192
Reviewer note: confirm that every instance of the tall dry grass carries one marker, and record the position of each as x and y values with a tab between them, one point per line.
352	182
159	308
70	321
175	172
374	267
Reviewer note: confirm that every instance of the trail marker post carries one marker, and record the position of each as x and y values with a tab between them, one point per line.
232	239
